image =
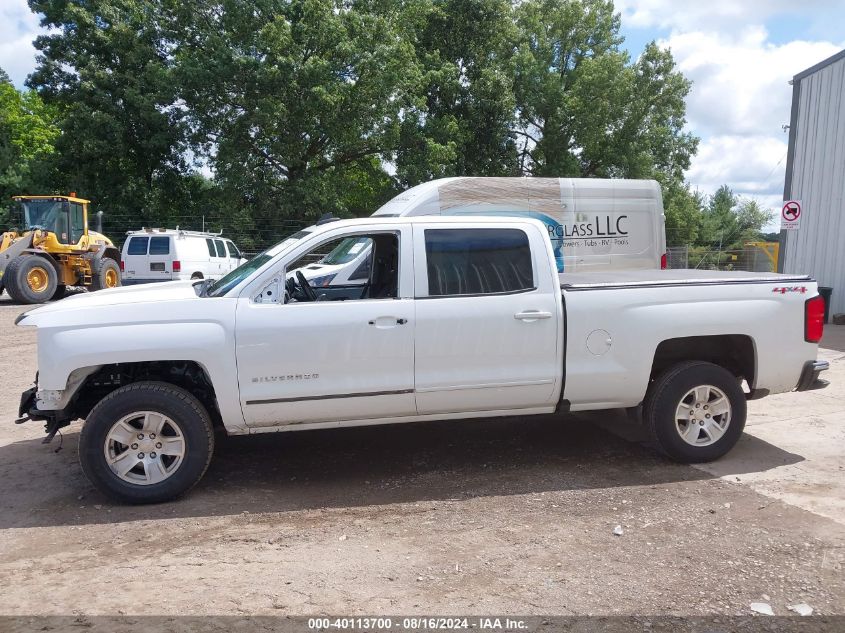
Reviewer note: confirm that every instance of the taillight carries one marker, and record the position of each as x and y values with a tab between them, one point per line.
177	266
122	266
814	319
664	263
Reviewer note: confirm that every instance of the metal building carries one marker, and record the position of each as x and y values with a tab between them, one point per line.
815	175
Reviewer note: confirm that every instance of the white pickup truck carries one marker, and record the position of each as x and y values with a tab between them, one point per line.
460	318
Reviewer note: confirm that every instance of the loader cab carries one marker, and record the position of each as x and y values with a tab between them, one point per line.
64	216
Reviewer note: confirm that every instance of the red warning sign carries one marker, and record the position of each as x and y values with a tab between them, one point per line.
790	215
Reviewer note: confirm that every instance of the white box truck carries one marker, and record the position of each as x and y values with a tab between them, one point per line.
593	224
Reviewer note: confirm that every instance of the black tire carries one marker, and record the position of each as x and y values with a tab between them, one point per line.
196	276
174	402
105	273
61	290
666	394
17	279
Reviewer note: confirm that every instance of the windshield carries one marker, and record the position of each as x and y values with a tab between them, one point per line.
227	282
346	251
43	213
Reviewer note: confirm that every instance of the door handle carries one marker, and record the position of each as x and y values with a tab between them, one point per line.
385	321
532	315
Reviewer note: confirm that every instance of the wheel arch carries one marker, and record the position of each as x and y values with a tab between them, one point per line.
112	253
57	265
735	352
100	381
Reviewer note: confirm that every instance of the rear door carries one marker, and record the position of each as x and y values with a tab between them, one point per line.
489	327
222	257
212	268
234	259
135	259
160	258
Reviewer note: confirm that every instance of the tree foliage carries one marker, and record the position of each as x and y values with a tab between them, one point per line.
258	115
28	132
583	109
107	66
729	222
459	119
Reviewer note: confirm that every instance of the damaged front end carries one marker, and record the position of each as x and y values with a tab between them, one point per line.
54	419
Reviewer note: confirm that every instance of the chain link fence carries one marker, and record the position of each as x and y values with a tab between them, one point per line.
754	257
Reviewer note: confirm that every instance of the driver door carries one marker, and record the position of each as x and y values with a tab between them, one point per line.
332	359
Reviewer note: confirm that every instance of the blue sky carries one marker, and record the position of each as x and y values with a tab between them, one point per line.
740	55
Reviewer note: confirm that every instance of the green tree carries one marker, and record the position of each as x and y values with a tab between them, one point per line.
108	68
751	218
719	222
293	100
460	121
28	132
583	109
683	210
728	221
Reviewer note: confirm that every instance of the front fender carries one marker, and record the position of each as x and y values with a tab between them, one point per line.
62	351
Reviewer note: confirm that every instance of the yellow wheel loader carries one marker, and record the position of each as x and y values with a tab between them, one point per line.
54	250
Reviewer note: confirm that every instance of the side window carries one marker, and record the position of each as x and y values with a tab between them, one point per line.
221	250
359	267
477	261
160	245
233	250
210	243
77	222
137	246
362	273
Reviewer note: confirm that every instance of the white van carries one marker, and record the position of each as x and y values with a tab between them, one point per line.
593	224
169	254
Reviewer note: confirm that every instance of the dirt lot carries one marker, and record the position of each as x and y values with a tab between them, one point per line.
504	516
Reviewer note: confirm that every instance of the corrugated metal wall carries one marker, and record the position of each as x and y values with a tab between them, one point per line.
818	180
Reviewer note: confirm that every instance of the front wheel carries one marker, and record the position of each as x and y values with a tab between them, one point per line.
695	412
31	279
146	442
105	274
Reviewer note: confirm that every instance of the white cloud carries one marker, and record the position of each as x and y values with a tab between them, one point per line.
740	83
724	15
751	164
18	27
741	95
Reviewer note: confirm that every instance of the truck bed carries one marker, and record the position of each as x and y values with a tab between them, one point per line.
677	277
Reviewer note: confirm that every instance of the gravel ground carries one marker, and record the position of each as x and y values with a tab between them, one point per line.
504	515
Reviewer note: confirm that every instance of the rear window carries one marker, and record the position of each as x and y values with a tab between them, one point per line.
137	246
210	243
160	246
221	250
477	261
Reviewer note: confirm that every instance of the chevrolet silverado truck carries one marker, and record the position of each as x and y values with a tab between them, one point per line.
460	318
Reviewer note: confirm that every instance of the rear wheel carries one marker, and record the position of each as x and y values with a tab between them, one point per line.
146	442
31	279
105	274
695	412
